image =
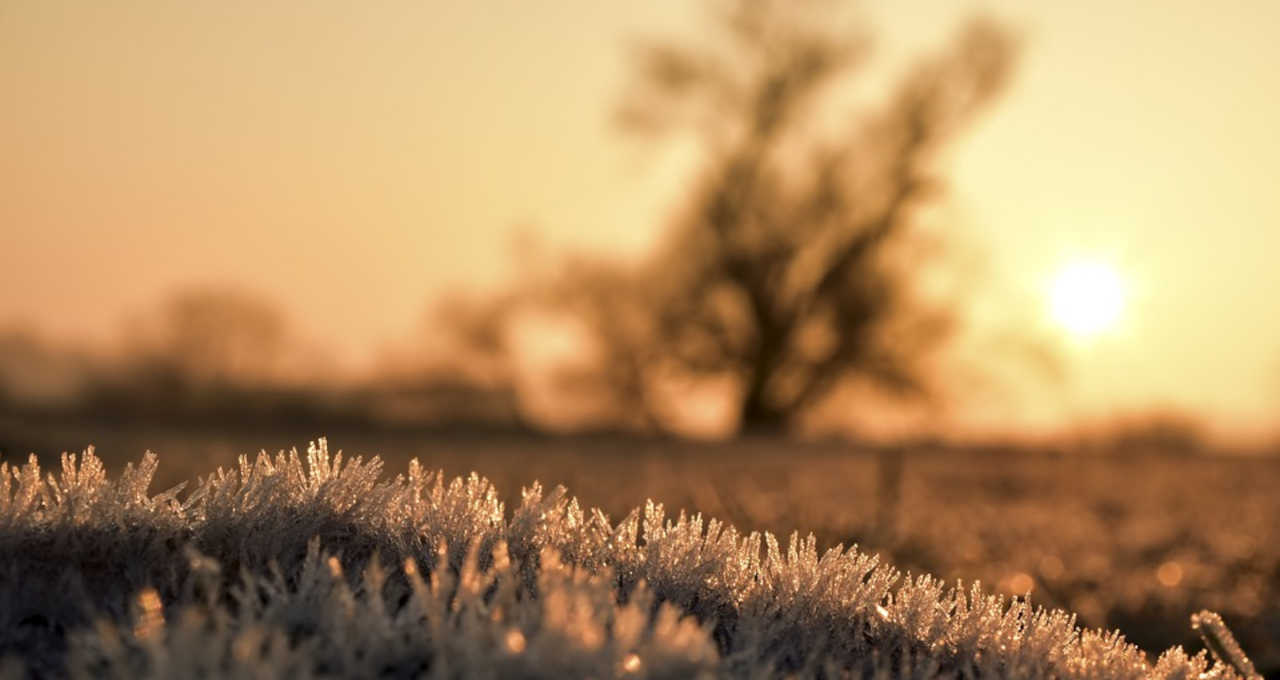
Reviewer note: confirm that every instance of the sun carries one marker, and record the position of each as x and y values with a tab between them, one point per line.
1087	298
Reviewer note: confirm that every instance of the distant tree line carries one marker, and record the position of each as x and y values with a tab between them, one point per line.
224	355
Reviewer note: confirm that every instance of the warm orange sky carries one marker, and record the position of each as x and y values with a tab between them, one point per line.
352	159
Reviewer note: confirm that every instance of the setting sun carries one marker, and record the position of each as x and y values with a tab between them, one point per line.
1086	298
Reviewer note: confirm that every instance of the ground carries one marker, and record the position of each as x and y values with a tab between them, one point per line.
1136	542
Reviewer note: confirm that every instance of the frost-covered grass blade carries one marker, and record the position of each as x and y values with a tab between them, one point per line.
327	568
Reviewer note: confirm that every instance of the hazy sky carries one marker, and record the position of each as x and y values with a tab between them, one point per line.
351	159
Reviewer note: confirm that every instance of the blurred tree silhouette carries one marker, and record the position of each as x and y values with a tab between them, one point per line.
216	338
478	349
1166	430
35	372
792	268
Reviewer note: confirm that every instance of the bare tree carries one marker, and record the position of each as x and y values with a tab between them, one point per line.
790	267
219	337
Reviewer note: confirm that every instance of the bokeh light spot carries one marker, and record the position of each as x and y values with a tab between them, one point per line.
1021	583
515	641
1169	574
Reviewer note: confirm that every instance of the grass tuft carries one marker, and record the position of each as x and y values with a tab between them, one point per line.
315	567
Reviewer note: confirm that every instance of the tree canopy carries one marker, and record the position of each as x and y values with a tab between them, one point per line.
785	271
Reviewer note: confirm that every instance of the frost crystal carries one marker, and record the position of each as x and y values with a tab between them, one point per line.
1219	640
275	569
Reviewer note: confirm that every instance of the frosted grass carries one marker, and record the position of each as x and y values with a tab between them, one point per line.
305	566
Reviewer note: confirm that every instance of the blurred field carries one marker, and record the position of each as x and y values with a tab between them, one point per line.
1136	542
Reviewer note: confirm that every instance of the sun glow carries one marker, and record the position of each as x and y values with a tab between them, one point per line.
1086	298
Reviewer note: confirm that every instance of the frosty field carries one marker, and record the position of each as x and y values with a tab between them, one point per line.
183	583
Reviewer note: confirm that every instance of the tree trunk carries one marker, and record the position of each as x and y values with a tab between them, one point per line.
757	417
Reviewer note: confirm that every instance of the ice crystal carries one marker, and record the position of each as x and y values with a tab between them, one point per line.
328	568
1222	644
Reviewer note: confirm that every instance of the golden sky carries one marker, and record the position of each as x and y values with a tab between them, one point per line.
350	160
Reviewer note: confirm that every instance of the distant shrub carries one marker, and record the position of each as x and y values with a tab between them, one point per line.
280	569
